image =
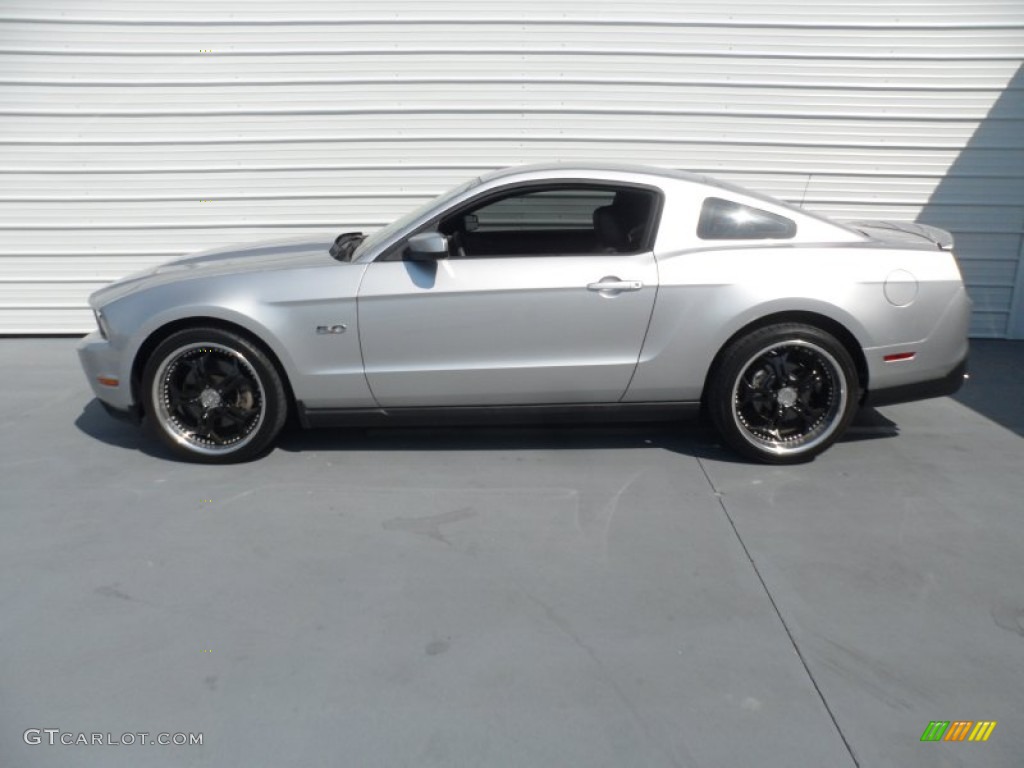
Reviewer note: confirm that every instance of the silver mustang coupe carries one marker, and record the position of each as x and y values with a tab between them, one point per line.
542	292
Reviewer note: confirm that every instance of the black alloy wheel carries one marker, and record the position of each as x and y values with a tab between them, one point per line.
213	396
783	393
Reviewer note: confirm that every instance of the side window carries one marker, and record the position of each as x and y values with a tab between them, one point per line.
537	211
725	220
563	219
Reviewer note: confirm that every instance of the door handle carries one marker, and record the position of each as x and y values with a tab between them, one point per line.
613	285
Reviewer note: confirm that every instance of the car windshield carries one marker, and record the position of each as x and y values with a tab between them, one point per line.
382	234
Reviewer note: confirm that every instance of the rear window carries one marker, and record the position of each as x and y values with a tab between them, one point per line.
725	220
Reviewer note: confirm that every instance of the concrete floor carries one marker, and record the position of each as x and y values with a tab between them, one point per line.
573	597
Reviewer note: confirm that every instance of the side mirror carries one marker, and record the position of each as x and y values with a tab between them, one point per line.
427	246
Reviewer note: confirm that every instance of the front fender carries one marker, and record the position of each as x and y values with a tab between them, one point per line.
283	310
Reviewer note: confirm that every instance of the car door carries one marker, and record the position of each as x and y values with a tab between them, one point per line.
490	327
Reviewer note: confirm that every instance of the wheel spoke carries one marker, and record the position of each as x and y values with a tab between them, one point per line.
200	367
203	428
803	415
236	415
754	397
232	382
192	378
191	409
778	365
179	398
182	403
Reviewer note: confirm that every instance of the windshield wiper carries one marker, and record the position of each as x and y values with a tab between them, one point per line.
345	245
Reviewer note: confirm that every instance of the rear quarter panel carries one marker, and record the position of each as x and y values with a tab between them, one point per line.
708	295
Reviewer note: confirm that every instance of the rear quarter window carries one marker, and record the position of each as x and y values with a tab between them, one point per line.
725	220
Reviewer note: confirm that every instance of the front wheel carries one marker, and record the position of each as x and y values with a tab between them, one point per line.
784	393
213	396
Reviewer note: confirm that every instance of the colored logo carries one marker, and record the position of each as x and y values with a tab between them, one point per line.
958	730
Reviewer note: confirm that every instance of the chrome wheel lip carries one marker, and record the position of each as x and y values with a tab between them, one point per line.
179	433
834	416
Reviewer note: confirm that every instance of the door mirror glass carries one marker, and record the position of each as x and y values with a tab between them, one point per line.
427	246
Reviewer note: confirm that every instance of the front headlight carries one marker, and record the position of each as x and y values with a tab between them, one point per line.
101	322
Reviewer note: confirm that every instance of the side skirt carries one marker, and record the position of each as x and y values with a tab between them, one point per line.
495	414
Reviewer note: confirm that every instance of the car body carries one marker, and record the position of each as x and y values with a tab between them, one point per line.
542	291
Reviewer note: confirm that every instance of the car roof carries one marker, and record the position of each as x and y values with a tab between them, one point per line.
568	168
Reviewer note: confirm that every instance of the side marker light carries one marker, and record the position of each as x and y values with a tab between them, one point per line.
897	356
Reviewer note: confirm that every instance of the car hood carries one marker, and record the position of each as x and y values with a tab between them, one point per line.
295	253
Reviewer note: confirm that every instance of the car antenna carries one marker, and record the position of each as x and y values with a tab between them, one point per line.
806	185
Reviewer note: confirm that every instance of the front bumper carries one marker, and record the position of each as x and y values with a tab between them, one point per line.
132	415
100	360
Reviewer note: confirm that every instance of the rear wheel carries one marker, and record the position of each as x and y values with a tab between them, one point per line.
213	396
784	393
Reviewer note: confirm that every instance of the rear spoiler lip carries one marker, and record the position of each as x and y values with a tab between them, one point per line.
940	237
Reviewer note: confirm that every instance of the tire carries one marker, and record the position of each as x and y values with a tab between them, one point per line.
784	393
213	396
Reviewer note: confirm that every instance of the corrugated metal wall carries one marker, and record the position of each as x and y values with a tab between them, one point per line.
133	132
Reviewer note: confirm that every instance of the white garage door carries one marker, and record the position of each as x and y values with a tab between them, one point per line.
133	132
